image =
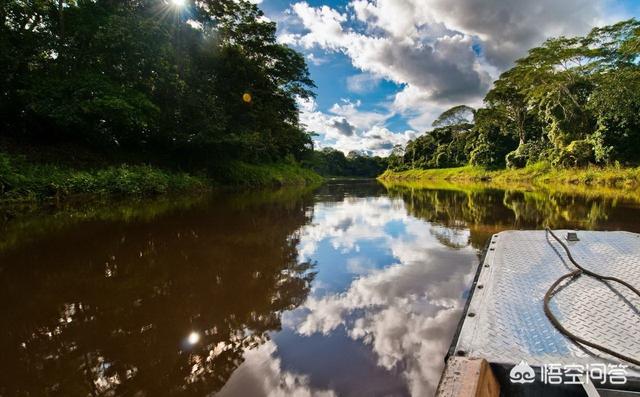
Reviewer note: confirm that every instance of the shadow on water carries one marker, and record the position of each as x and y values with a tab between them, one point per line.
161	301
354	288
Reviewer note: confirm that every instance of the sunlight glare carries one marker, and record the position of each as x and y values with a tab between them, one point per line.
193	338
178	3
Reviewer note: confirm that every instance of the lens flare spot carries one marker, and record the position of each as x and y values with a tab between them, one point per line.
193	338
246	97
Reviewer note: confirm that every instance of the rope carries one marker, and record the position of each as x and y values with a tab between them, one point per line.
572	276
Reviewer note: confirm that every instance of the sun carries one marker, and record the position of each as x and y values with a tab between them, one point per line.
179	3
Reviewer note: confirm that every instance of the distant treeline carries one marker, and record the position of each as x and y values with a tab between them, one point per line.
331	162
570	102
189	86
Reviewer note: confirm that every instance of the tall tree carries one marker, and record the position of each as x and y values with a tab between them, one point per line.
202	83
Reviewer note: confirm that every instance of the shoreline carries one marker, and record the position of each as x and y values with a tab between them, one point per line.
538	175
25	182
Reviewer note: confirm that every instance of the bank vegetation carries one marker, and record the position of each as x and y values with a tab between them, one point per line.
568	112
156	95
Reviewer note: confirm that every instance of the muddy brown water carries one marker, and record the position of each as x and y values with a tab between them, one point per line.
351	289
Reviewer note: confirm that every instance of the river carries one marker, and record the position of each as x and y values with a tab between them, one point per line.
351	289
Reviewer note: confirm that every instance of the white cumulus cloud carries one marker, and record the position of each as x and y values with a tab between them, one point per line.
440	52
405	312
261	375
345	127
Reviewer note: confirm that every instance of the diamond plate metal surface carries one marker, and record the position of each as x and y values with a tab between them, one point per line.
506	321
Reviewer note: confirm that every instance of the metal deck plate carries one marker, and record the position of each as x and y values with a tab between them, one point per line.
507	322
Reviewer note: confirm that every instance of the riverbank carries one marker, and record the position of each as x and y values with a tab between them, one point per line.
252	176
536	175
22	180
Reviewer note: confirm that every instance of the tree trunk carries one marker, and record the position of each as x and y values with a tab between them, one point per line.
61	20
521	130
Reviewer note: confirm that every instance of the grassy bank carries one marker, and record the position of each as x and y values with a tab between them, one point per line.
23	180
244	175
537	175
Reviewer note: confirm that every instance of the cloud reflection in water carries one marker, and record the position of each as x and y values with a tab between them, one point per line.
399	293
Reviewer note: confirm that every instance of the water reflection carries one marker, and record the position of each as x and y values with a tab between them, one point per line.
161	307
354	289
483	212
385	282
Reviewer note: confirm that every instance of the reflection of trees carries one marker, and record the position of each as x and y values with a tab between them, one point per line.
108	307
456	210
535	209
21	224
487	211
338	190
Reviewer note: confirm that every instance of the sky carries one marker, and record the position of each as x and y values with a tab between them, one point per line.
386	298
385	69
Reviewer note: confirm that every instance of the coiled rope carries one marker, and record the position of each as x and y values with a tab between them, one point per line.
572	276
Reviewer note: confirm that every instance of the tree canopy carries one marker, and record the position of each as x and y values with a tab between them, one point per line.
456	115
572	101
190	85
332	162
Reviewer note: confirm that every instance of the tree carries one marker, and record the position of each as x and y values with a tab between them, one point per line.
460	114
332	162
195	87
509	104
616	105
491	144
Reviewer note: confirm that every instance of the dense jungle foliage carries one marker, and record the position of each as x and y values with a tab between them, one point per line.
332	162
570	102
187	86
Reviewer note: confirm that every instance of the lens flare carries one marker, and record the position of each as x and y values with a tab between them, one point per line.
246	97
193	338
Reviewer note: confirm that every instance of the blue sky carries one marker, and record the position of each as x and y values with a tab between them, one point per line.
385	69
